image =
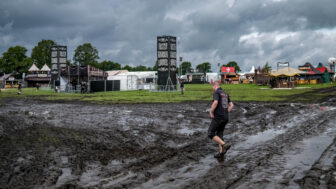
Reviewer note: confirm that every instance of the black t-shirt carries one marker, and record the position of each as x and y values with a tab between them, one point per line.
182	85
221	111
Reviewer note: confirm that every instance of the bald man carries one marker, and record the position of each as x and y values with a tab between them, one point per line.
219	114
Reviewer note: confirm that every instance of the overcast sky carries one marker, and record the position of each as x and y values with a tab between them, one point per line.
250	32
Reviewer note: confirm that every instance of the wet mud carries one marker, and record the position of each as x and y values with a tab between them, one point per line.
78	145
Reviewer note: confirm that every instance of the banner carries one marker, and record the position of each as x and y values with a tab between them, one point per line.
228	69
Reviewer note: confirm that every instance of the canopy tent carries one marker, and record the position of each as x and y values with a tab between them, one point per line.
33	68
45	68
288	71
252	70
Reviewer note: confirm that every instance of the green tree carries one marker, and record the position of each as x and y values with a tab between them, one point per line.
233	64
204	67
15	60
41	53
140	68
109	65
186	67
267	68
86	54
127	67
155	67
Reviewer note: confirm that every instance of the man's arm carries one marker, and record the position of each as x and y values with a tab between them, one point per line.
213	107
230	106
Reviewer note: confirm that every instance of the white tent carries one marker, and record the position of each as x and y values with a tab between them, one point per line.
211	77
133	80
248	73
34	68
252	70
45	68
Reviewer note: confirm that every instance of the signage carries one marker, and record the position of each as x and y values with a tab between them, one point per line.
228	69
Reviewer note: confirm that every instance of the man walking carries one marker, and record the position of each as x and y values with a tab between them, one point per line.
219	114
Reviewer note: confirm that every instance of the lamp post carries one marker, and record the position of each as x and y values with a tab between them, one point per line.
180	67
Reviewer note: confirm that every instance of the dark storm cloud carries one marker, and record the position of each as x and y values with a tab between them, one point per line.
250	32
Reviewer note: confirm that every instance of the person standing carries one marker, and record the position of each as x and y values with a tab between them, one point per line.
20	88
37	87
182	88
82	87
219	114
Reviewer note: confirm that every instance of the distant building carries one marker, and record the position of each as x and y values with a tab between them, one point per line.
311	75
36	75
9	81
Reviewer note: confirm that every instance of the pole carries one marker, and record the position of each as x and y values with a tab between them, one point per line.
69	78
78	75
180	68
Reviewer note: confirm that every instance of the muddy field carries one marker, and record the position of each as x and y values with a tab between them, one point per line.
79	145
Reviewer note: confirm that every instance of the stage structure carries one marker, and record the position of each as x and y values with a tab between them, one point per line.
166	57
58	63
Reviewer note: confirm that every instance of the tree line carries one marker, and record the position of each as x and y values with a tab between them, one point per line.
15	60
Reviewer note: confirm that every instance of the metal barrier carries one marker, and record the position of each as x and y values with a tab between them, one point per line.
166	88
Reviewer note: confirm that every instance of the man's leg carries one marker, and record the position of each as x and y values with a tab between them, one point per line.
212	134
220	143
223	148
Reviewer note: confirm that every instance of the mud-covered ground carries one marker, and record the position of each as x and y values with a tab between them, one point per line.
78	145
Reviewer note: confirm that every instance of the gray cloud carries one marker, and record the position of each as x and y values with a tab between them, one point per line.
250	32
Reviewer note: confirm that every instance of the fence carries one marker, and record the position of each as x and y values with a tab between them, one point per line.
105	85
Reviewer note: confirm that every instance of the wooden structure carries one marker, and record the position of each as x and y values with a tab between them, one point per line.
261	78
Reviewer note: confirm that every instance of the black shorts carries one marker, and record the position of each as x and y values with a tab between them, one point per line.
217	128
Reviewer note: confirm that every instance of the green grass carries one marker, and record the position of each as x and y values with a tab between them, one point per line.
195	92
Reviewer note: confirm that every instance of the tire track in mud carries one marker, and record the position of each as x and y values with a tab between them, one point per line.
159	146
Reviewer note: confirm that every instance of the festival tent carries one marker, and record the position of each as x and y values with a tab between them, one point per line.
34	68
133	80
284	78
45	68
288	71
211	77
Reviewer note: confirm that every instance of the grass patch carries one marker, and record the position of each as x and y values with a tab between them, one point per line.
194	92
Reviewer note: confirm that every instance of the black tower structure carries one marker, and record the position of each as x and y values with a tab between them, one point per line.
166	57
58	63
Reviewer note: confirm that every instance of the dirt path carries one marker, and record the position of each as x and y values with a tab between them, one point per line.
60	145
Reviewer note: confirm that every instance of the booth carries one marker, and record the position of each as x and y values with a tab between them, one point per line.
284	78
